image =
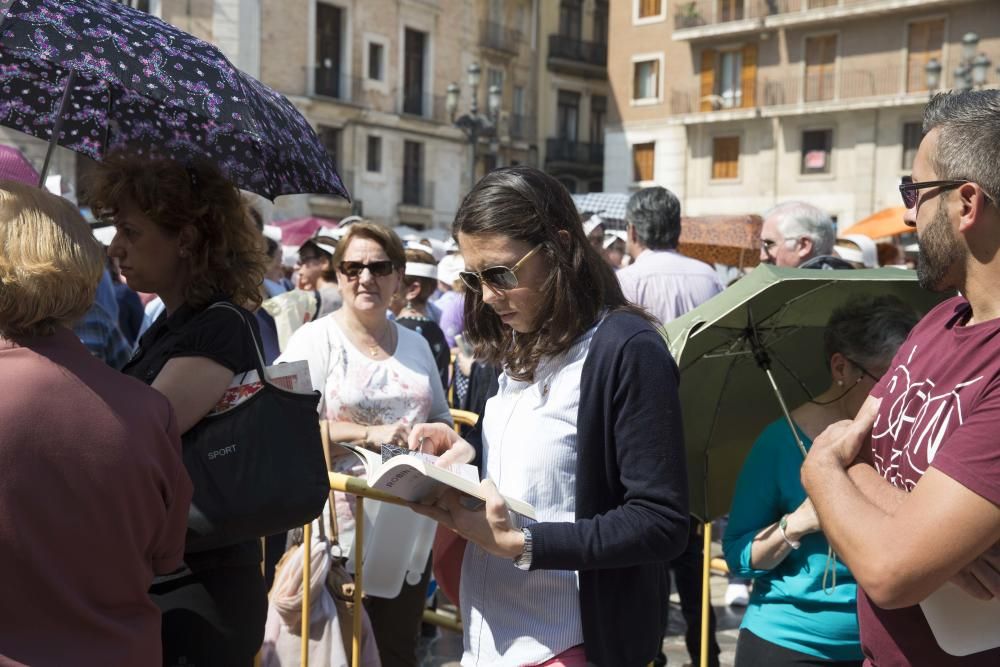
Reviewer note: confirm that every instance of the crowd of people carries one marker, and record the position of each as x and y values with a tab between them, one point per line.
877	492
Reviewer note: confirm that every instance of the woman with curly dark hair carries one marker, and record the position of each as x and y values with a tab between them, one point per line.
184	233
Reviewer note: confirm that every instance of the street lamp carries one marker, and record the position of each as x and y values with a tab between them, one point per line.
474	124
970	72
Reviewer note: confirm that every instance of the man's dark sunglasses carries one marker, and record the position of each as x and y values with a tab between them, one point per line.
354	269
910	191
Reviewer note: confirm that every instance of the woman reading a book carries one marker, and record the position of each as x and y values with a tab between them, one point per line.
585	427
377	381
185	234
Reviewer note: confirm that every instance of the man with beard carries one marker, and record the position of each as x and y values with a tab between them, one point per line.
908	494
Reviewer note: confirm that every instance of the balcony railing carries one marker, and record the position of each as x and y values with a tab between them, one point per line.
521	127
424	105
578	50
775	91
578	152
499	37
327	82
697	13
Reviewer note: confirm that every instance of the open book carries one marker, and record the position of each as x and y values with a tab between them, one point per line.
415	476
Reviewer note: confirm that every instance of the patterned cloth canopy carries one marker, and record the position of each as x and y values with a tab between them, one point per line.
608	205
132	81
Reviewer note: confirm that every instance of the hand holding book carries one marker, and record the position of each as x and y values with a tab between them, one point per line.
442	441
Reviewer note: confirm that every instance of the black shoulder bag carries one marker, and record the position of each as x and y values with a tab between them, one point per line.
257	468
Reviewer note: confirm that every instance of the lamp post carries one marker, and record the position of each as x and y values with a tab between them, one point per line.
474	124
968	74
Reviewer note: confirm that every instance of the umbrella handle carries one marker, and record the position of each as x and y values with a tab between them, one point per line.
785	412
57	128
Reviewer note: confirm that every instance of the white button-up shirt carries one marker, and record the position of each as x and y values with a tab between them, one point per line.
668	284
529	448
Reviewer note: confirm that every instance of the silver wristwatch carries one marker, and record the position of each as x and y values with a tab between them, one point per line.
523	562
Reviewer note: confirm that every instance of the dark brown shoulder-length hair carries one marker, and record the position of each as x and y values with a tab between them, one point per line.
229	256
525	204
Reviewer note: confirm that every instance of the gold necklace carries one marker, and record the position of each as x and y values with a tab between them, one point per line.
373	349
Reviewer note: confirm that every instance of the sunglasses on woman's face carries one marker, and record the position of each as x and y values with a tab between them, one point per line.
378	269
498	278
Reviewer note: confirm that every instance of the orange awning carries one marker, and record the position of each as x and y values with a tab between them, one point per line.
887	222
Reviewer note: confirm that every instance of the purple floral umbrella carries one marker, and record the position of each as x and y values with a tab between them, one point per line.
103	76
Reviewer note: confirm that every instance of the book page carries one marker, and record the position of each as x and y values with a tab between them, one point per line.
463	470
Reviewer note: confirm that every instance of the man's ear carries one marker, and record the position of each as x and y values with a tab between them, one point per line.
806	247
972	201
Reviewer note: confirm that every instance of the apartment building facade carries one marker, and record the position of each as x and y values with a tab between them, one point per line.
736	105
573	90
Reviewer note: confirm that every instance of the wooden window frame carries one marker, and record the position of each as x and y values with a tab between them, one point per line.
945	73
642	58
835	77
717	177
653	18
828	171
636	169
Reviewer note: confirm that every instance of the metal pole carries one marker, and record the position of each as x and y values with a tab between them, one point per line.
473	144
705	598
359	538
785	412
57	128
306	581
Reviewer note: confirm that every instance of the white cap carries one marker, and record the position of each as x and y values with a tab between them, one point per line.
865	254
273	232
592	223
449	267
612	236
421	270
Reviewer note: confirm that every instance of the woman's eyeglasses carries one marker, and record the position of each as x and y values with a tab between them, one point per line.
378	269
499	278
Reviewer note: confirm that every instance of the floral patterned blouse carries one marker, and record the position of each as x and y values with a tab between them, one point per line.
371	392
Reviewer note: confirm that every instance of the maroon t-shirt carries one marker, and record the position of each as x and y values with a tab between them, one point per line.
93	501
941	408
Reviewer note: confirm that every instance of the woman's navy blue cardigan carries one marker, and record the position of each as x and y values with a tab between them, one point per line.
631	493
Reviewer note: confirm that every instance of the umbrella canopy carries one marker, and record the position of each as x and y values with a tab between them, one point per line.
15	167
722	239
297	231
608	205
884	224
101	76
726	398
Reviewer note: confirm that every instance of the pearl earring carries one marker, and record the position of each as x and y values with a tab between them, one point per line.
840	383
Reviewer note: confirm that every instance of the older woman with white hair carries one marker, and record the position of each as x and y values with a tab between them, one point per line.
95	496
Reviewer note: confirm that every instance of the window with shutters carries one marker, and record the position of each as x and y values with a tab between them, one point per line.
649	8
725	158
912	134
821	59
646	80
642	162
817	151
729	78
924	43
329	49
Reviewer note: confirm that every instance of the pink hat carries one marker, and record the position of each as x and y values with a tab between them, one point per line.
15	167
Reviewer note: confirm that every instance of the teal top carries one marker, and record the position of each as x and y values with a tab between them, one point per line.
788	605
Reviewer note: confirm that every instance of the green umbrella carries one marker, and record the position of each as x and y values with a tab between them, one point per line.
753	350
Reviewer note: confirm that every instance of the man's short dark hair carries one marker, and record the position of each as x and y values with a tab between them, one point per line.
655	214
968	123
